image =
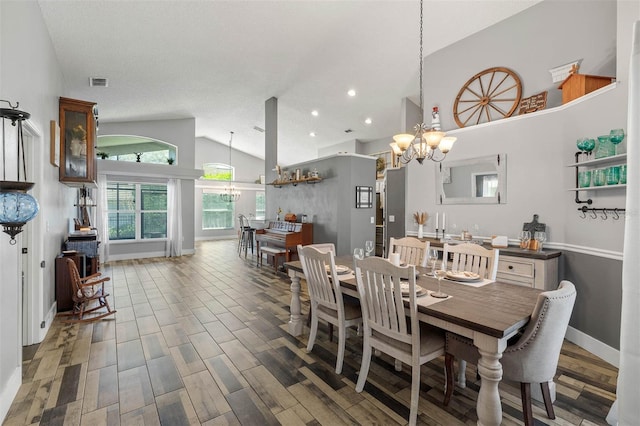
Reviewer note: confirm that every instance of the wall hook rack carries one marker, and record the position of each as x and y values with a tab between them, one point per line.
593	212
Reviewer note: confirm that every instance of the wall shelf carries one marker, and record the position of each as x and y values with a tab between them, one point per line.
295	182
614	159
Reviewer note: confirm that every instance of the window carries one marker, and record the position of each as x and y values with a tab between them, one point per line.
260	205
218	171
136	211
135	148
216	214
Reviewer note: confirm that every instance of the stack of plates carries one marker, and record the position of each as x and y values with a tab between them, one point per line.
463	276
404	287
340	269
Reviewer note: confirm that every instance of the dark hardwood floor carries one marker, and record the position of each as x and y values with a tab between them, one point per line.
203	339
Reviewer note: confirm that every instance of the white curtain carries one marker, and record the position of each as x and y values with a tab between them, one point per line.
174	219
628	394
103	218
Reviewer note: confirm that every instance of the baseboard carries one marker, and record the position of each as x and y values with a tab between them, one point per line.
132	256
599	349
9	392
217	237
53	310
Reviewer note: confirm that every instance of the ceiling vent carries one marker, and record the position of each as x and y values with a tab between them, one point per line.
98	82
258	129
348	131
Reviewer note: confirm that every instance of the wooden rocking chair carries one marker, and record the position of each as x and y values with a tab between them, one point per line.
87	291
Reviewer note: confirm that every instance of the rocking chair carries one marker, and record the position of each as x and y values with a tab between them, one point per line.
87	291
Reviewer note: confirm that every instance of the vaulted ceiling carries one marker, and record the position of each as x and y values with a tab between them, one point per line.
219	61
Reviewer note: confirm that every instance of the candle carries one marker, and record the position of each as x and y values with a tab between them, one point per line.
437	219
443	220
395	258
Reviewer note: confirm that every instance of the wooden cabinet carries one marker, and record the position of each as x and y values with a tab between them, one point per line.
78	126
529	272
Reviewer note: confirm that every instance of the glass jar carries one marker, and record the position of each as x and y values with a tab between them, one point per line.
613	175
584	178
599	177
623	174
605	147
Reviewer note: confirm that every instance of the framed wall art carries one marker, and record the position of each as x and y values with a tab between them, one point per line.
364	197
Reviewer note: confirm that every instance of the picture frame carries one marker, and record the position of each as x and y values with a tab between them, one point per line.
54	150
364	197
77	142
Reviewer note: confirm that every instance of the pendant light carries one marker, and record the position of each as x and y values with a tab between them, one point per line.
230	193
16	206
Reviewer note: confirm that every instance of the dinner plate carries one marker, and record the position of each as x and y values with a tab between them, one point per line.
463	276
404	287
340	269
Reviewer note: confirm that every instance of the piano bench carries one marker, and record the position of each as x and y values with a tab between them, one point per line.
274	253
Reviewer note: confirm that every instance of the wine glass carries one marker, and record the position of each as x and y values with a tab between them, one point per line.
540	237
616	136
587	146
368	245
358	253
433	260
440	273
525	238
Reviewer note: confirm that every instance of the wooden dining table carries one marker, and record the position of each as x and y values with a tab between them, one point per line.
489	315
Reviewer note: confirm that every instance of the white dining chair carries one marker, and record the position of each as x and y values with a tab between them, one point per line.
327	302
471	257
386	326
412	251
533	357
474	258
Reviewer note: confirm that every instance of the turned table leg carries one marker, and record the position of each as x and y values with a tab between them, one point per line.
295	323
489	407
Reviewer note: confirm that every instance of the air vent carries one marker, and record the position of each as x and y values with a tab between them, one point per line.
348	131
258	129
98	82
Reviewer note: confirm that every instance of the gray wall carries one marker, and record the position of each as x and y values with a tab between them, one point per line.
180	133
330	204
396	200
540	147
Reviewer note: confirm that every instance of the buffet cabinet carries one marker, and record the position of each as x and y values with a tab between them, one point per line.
530	272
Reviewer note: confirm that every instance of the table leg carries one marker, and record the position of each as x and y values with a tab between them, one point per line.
489	407
295	323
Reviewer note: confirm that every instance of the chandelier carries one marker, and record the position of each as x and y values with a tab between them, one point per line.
427	142
16	206
230	193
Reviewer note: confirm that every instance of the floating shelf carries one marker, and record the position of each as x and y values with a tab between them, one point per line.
597	188
295	182
601	161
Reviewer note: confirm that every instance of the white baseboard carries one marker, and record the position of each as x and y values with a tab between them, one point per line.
53	310
599	349
9	392
130	256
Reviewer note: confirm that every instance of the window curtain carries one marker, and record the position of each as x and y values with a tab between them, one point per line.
174	219
103	218
626	410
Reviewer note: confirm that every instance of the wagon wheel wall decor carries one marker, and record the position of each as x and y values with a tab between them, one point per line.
490	95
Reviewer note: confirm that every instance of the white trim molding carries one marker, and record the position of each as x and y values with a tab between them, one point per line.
596	347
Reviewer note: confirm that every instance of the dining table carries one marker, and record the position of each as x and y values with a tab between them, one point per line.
487	312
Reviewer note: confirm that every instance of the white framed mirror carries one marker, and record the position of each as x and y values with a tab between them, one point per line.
480	180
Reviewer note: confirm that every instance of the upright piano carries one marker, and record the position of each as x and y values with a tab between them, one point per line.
286	235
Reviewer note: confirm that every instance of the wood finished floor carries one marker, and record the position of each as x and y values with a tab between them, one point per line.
203	339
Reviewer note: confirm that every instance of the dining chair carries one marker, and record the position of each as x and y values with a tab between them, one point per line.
474	258
533	357
327	302
88	296
324	247
412	251
386	325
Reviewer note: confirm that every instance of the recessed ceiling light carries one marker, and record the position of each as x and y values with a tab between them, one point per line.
312	134
314	113
351	92
367	120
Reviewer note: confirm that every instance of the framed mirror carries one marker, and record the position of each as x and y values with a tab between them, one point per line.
480	180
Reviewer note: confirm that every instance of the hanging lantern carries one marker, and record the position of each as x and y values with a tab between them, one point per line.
16	206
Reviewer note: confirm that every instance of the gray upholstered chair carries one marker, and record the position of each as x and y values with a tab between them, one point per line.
412	251
533	357
327	302
386	326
